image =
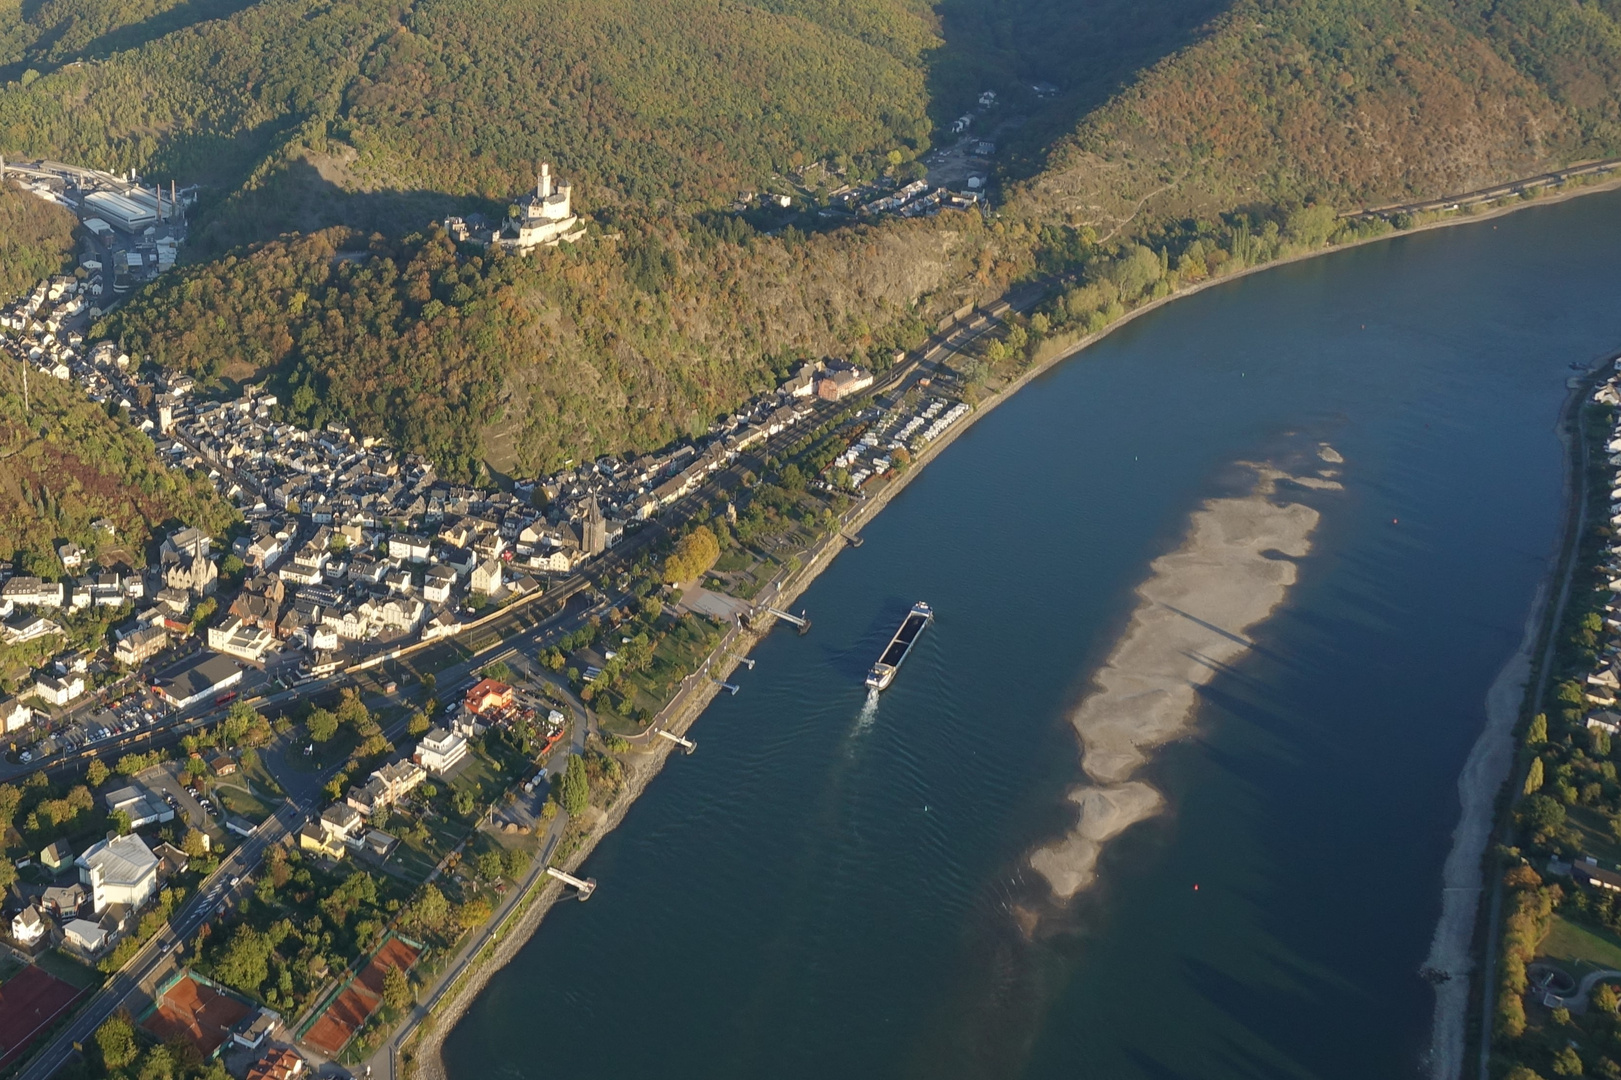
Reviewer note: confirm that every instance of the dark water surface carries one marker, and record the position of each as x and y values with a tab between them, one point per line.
816	893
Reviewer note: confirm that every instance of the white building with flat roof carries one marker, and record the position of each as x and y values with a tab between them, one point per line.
440	750
122	870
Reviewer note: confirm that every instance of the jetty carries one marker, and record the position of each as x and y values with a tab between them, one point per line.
584	888
686	744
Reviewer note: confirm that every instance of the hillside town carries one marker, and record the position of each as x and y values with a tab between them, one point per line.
346	553
346	548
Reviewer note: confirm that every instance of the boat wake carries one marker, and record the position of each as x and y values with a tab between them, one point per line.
869	711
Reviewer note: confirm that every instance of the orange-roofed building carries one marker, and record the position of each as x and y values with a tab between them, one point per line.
487	695
279	1064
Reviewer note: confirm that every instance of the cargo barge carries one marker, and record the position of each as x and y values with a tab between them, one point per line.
883	672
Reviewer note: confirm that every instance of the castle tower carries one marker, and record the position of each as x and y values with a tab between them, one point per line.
543	187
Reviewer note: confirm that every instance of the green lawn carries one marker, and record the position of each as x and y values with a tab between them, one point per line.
337	748
482	775
260	776
1581	948
681	648
1597	839
70	970
238	800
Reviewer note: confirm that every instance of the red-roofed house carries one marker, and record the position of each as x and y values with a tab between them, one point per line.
487	695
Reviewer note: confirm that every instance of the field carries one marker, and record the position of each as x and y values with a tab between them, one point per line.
1580	948
29	1004
1597	840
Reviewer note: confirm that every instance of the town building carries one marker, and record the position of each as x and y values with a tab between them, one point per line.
487	696
139	644
121	870
196	680
385	787
84	937
27	926
25	626
234	636
26	591
58	692
14	714
840	383
57	856
486	579
142	806
440	751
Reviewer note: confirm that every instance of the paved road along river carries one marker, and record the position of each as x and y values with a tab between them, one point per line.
828	889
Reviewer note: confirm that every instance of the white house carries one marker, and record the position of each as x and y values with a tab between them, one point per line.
85	936
486	578
439	751
23	627
237	638
437	584
28	591
122	870
58	691
14	714
71	554
408	548
26	926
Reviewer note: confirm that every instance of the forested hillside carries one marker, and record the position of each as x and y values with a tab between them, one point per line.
36	240
64	463
1349	103
528	361
376	116
651	102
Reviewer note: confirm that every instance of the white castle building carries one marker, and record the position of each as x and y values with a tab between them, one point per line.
544	217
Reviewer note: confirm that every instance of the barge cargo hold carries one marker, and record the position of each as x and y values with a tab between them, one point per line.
883	672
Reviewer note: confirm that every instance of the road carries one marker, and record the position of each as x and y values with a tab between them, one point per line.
382	1062
1473	198
155	955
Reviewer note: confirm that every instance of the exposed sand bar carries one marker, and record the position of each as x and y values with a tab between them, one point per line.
1195	610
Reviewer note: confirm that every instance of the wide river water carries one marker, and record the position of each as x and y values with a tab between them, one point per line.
828	890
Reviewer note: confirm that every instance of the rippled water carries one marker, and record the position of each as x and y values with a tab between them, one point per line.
829	888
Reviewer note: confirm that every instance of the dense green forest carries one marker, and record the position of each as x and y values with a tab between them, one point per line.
64	462
36	240
1294	101
526	362
668	101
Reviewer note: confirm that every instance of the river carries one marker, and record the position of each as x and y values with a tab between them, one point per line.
827	889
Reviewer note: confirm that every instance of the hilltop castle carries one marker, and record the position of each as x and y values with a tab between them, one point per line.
544	217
